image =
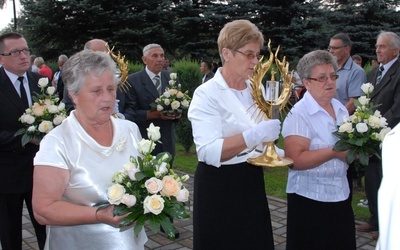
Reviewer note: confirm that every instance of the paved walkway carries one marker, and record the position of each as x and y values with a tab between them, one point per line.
159	242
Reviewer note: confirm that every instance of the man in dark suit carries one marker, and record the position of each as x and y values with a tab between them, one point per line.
205	68
386	79
143	92
16	161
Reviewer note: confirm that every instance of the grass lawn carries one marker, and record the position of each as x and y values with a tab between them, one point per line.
275	179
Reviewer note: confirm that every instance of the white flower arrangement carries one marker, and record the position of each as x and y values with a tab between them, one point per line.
173	100
44	115
147	188
363	132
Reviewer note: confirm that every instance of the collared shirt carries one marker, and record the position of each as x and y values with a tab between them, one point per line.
387	66
326	182
348	85
152	75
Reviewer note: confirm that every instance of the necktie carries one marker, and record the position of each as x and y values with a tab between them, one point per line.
379	77
24	97
158	84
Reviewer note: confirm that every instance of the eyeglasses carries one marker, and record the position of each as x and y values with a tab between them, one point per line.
324	79
250	56
17	52
335	47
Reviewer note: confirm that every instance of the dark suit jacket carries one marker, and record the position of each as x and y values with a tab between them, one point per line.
208	76
16	162
387	93
141	94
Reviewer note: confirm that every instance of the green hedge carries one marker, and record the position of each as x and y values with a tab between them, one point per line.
189	76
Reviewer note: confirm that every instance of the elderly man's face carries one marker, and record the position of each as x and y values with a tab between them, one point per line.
154	60
384	51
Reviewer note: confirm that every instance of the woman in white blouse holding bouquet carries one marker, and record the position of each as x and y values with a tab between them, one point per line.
77	160
319	215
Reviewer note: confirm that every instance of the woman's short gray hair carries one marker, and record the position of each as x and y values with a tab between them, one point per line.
318	57
84	63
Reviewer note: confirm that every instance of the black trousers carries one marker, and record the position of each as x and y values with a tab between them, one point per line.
373	178
11	206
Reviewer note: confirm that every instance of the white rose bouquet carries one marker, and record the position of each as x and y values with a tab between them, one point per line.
147	188
43	115
362	134
173	100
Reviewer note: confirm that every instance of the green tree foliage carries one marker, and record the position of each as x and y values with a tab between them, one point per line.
189	28
363	20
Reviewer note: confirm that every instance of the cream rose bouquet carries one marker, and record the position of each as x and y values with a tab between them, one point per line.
44	115
364	131
173	100
147	188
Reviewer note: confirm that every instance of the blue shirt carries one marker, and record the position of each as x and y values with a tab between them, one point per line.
348	85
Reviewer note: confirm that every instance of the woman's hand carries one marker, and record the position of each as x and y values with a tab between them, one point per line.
341	155
107	216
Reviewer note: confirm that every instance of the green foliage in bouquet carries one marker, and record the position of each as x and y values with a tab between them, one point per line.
44	115
363	132
147	188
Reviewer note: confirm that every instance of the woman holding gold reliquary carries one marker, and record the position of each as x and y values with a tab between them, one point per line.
319	215
230	205
77	160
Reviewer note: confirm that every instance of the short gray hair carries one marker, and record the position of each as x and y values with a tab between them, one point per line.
84	63
149	47
63	58
344	38
393	37
310	60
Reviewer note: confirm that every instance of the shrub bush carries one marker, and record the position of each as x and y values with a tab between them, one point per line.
189	76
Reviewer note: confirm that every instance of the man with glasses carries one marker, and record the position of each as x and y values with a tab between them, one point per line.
348	85
351	75
17	86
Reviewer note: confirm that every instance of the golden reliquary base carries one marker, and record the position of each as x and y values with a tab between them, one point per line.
270	158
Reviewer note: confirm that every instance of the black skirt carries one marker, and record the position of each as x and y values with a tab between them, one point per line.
315	225
231	208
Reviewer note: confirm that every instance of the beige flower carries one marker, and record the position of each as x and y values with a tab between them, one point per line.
129	200
153	204
170	186
115	194
153	185
45	126
175	105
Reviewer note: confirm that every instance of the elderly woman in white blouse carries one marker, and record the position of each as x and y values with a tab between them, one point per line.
77	160
319	214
